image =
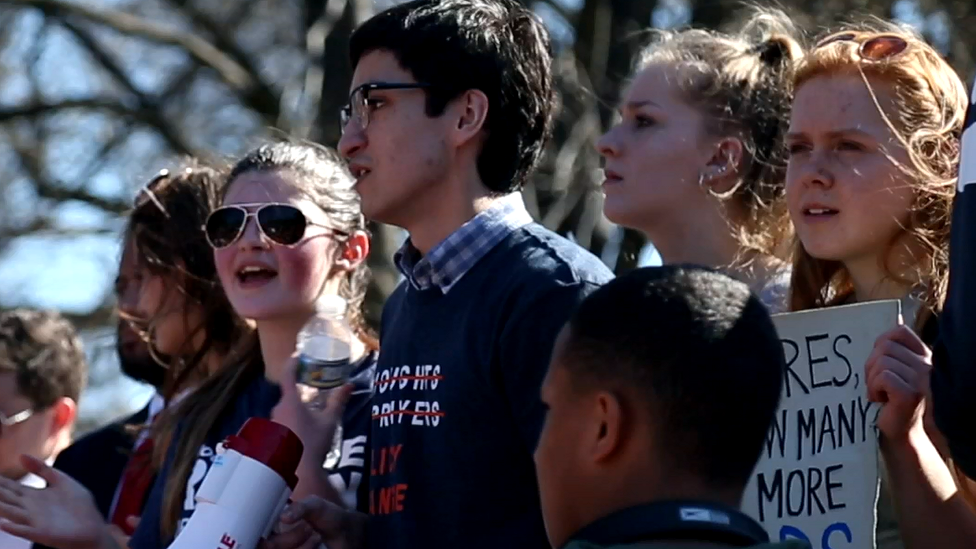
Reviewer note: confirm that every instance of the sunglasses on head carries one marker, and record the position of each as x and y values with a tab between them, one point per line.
148	192
282	224
871	47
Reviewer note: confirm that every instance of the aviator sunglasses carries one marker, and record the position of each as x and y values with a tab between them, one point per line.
871	47
282	224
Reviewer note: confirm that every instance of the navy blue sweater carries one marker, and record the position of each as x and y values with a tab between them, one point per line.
456	406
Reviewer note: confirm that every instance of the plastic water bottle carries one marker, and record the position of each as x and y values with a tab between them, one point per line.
323	346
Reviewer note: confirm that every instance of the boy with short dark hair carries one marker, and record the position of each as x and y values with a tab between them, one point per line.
661	390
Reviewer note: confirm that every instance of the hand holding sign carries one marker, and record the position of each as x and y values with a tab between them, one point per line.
817	479
897	373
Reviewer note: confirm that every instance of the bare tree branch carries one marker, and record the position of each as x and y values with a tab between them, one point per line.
199	49
34	110
44	228
59	192
170	133
260	96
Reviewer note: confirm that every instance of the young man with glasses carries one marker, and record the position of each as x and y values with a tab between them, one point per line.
42	374
450	109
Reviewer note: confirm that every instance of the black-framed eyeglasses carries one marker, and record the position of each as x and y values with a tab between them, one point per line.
871	47
359	106
282	224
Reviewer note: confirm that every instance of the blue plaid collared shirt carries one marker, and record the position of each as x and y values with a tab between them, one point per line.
448	261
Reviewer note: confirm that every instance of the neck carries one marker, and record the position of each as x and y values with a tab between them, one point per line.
629	493
710	242
278	338
871	281
700	237
208	365
445	207
648	484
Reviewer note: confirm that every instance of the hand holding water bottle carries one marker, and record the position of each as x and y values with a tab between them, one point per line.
324	348
314	391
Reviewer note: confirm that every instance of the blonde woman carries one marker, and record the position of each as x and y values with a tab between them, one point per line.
697	160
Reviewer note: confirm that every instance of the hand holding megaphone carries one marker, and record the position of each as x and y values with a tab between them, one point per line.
313	521
246	489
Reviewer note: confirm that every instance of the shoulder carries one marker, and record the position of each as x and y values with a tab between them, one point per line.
533	253
110	441
538	276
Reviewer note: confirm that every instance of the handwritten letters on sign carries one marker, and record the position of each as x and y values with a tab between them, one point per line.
817	479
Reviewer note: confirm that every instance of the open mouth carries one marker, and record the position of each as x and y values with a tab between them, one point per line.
819	212
611	177
359	172
252	276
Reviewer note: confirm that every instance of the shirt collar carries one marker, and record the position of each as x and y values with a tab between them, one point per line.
685	519
34	481
452	258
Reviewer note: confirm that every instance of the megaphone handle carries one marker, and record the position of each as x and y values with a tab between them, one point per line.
276	515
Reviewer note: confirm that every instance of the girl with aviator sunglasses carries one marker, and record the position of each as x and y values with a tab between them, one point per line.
874	149
290	230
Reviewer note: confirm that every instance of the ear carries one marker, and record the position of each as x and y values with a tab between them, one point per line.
65	412
721	173
469	113
611	431
354	251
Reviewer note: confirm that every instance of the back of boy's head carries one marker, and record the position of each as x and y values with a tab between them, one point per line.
496	46
43	351
699	354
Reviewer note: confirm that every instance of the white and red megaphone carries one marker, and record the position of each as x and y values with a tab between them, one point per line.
245	490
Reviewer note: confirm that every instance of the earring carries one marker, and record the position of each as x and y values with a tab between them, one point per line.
718	172
154	354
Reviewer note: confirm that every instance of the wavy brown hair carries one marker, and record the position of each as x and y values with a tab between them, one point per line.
321	174
930	108
164	229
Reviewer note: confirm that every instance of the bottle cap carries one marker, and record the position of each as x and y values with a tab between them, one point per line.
331	305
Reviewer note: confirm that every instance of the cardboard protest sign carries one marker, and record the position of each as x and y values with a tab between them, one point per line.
818	479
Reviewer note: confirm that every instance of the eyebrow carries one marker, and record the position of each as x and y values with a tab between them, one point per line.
634	105
831	134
